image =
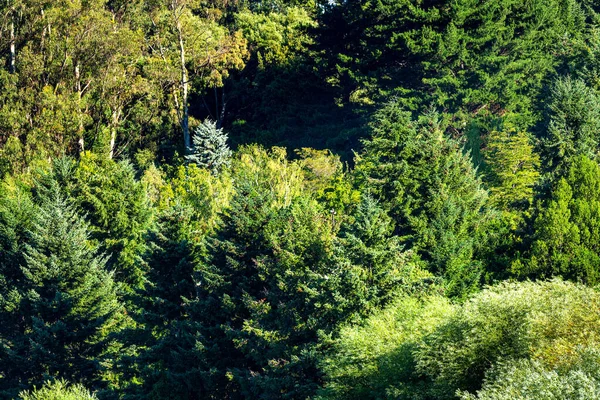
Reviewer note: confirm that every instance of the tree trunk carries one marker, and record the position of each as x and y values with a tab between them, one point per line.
184	91
80	130
13	51
113	132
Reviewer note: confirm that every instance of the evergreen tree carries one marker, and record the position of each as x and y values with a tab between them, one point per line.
118	209
463	54
170	365
64	309
368	250
573	125
432	191
210	149
16	214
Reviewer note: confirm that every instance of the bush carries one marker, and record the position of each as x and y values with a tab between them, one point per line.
527	379
375	360
544	322
58	390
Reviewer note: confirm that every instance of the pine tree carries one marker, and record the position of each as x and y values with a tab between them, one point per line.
65	307
210	149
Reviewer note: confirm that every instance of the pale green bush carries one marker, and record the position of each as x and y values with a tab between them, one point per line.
531	380
58	390
544	321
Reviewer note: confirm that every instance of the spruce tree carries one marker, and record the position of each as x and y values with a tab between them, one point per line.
64	308
210	149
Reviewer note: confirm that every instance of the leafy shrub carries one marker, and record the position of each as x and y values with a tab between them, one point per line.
58	390
527	379
375	360
544	322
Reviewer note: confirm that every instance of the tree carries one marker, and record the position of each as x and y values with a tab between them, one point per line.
541	322
118	209
63	311
187	45
512	169
210	149
373	256
431	190
566	241
170	362
573	125
463	55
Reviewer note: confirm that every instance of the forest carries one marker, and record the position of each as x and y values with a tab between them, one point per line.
300	199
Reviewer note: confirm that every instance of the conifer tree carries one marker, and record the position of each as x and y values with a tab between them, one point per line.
171	361
118	209
64	308
573	125
431	190
210	149
368	250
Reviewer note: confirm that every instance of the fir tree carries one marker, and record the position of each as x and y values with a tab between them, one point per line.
171	362
210	149
368	250
431	190
64	308
573	125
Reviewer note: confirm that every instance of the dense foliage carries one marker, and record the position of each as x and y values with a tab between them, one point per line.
291	199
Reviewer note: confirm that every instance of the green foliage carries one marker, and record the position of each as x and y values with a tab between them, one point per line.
513	169
59	315
168	360
374	257
325	177
573	125
289	273
566	235
431	190
117	206
512	338
58	390
375	360
277	37
461	54
210	149
526	379
545	321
